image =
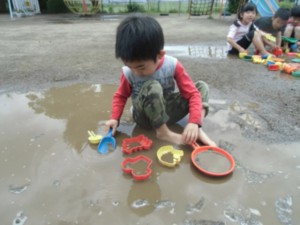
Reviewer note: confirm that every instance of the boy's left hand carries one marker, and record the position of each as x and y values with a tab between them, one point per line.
190	133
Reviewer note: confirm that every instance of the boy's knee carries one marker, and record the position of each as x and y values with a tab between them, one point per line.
202	87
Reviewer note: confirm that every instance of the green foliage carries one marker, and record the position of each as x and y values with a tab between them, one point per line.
111	9
173	11
135	7
56	6
286	4
233	6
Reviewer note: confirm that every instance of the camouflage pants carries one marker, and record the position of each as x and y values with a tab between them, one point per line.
151	108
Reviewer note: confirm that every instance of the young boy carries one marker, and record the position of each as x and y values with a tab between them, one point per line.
293	26
149	77
274	26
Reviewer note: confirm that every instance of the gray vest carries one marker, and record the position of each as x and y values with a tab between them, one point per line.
164	75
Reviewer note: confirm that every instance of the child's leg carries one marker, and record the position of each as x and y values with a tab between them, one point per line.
177	107
257	41
297	32
204	90
150	112
289	31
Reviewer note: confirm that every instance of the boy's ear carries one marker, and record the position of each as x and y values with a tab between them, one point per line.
161	54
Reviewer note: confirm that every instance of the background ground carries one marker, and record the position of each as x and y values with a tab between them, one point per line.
45	51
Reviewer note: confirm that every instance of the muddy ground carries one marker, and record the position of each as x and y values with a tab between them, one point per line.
57	77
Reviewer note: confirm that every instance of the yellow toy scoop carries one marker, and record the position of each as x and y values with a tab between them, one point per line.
93	138
175	154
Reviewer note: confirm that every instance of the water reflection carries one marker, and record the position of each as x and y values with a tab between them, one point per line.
81	106
197	51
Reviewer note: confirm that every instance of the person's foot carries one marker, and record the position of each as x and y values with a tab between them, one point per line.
170	137
205	139
164	133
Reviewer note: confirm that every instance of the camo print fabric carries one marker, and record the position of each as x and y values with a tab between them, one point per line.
151	108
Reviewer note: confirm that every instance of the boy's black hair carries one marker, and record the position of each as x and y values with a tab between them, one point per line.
247	7
282	13
295	11
139	37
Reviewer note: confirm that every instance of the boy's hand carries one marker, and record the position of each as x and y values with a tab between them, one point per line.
190	133
111	124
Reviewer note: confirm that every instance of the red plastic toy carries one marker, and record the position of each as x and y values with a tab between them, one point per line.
291	54
277	52
141	143
135	160
274	67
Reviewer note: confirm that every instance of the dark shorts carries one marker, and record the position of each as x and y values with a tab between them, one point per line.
245	42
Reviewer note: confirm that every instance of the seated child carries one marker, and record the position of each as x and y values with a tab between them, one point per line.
149	77
274	26
242	33
293	26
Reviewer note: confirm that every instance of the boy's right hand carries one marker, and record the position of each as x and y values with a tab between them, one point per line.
112	123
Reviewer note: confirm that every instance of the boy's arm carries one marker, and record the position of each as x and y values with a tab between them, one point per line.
279	39
189	91
120	98
288	30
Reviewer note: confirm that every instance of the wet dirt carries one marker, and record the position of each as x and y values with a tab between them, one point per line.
57	78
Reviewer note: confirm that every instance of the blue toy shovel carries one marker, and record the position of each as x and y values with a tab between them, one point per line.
108	139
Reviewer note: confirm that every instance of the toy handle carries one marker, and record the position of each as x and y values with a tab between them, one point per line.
110	132
195	145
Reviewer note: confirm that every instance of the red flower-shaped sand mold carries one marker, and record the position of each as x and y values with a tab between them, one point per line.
135	160
143	143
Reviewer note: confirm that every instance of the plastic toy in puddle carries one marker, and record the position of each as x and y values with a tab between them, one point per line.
294	47
218	158
296	73
288	68
289	39
257	59
138	143
106	140
296	60
270	37
277	52
243	54
175	154
292	54
273	67
139	167
94	138
268	63
278	60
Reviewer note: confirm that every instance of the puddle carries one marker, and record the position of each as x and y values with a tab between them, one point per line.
49	170
197	51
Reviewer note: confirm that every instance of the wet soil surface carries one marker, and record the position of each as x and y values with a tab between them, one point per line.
58	75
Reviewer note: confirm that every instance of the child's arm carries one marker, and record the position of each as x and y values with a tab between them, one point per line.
231	34
278	39
118	104
189	91
235	45
288	30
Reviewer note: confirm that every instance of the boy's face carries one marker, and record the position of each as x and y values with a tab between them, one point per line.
278	23
145	68
295	20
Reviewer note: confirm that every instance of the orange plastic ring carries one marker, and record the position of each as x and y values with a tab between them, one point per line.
216	149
